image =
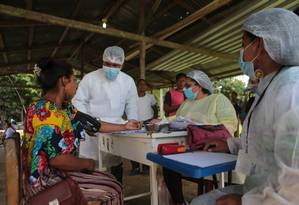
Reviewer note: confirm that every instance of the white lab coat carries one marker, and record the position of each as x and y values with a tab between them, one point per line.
273	145
106	100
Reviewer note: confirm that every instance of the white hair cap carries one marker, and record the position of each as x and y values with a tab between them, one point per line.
114	54
202	79
279	28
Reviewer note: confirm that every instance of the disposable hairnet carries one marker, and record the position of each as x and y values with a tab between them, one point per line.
114	54
202	79
279	29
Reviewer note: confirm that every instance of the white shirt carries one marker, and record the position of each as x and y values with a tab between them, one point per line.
107	99
273	142
9	132
145	104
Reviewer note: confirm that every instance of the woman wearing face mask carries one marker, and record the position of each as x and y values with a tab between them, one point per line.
52	138
268	151
204	107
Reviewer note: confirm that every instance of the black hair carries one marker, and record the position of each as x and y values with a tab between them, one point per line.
204	90
234	92
50	72
297	11
251	36
8	123
180	75
141	80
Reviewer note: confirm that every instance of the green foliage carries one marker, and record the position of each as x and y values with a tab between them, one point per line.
10	102
228	85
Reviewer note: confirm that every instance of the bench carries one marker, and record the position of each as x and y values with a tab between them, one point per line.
13	172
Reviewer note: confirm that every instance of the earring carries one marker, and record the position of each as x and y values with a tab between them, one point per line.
259	73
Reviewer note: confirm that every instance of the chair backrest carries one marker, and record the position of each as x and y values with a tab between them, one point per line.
12	168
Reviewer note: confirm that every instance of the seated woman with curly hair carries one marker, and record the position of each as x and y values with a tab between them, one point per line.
52	138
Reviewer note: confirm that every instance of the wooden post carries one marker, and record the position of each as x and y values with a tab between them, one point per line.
142	60
165	33
82	63
142	43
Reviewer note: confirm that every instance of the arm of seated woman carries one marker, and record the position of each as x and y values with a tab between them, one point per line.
68	162
110	127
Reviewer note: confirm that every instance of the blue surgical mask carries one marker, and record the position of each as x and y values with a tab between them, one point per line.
247	67
111	73
190	95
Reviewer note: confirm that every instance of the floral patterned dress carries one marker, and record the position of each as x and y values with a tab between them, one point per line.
49	132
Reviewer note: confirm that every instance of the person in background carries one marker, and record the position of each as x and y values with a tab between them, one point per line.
52	139
236	103
14	124
250	93
9	131
106	94
1	124
175	97
147	103
268	150
147	110
201	106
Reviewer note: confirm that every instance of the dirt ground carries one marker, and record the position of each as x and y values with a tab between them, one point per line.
132	184
140	184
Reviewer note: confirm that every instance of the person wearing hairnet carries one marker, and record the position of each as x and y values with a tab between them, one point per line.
201	106
106	94
268	152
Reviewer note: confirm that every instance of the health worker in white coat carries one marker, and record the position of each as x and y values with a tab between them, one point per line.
107	94
268	152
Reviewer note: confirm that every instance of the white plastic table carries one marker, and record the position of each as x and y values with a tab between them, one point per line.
135	146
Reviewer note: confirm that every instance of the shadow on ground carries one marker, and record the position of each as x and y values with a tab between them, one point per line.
132	184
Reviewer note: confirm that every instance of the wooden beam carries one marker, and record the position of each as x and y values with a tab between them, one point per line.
37	16
164	11
199	14
184	5
82	62
113	9
165	75
40	47
110	12
66	30
19	23
221	67
26	23
227	74
142	43
30	39
77	49
22	69
30	34
156	5
2	46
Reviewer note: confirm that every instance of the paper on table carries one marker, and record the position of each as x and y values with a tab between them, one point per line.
130	132
202	159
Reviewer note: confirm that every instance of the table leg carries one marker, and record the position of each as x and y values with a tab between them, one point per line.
154	184
221	180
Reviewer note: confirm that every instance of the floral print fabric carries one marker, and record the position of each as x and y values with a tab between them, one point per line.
49	132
